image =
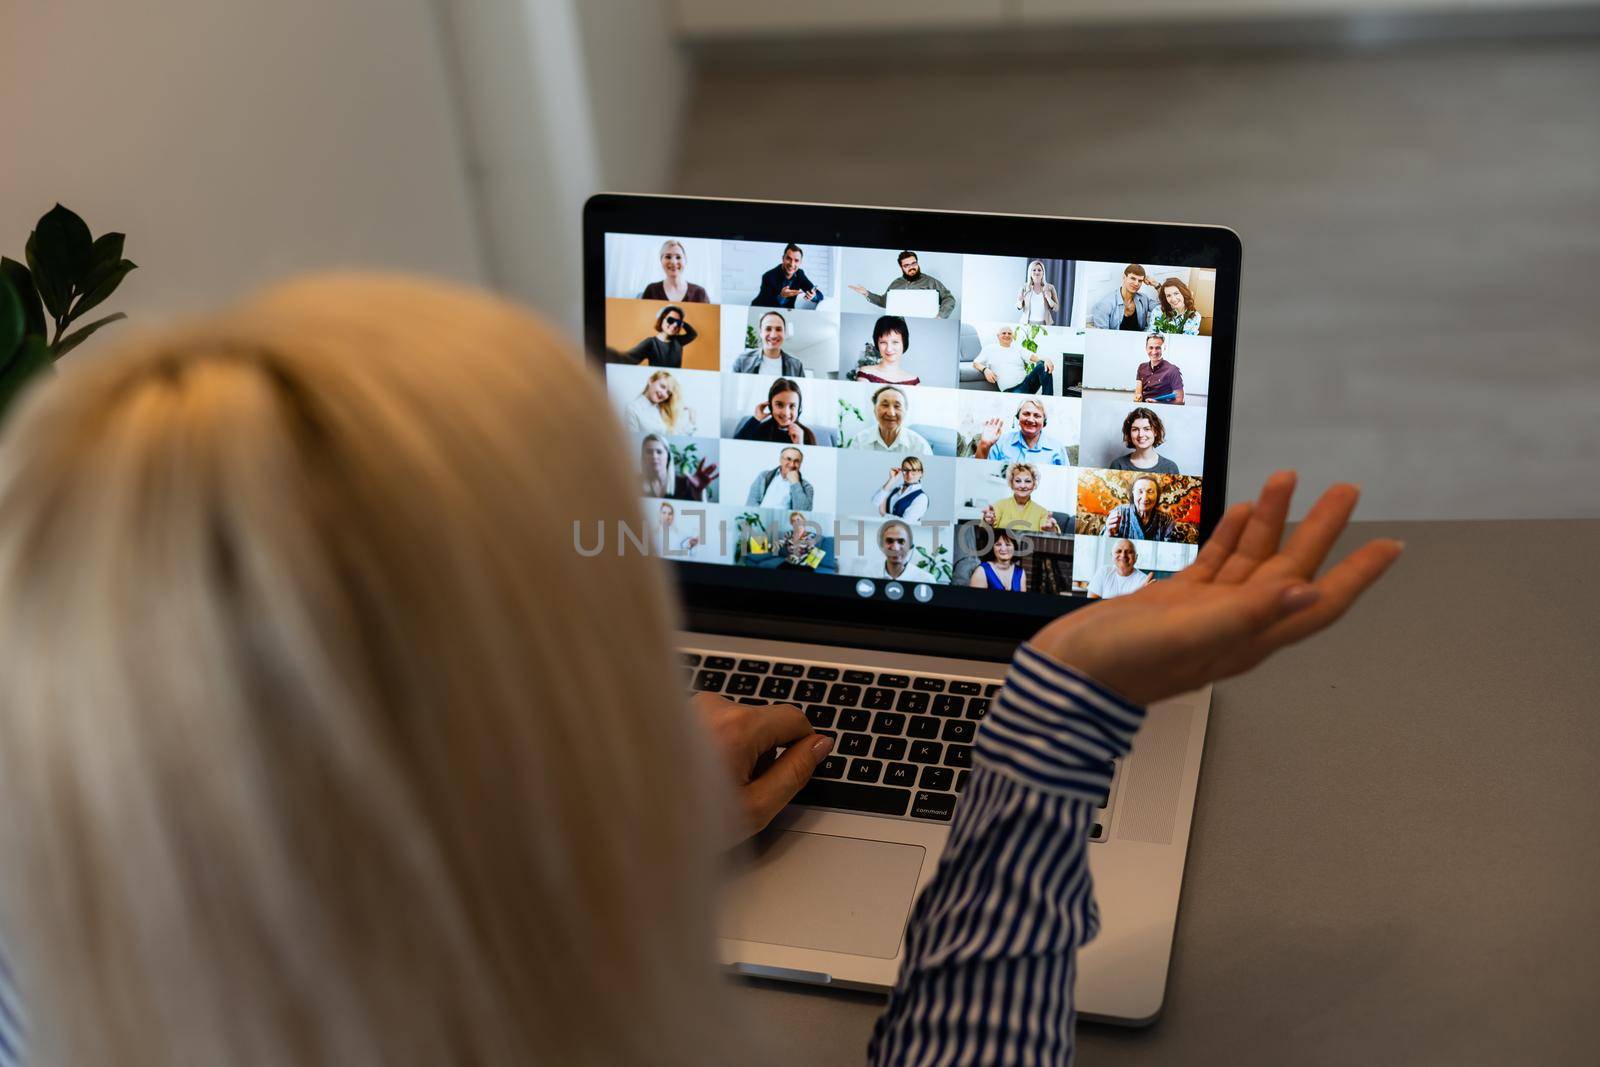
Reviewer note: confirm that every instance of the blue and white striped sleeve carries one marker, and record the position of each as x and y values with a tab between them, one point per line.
991	949
10	1018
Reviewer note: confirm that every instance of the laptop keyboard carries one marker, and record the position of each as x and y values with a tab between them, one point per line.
902	742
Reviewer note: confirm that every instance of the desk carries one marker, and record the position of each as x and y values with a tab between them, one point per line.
1396	849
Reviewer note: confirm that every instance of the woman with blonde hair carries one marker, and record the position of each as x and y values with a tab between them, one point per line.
314	748
673	286
659	408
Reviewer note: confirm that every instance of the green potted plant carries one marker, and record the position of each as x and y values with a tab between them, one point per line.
69	272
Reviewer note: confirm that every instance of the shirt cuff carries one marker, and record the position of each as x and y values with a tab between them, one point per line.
1056	729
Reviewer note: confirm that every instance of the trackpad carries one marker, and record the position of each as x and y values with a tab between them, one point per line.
836	894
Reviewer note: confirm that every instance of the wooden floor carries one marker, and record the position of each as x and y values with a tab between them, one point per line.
1421	228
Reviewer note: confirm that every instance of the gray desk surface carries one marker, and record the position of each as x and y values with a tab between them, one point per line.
1396	848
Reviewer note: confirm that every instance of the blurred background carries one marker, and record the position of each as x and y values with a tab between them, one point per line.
1416	182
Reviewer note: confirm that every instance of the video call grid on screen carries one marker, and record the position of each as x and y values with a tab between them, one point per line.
810	413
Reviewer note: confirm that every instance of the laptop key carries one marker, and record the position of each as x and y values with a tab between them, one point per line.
865	770
889	748
858	677
689	659
925	751
945	704
939	806
958	756
718	663
855	719
961	780
752	700
929	685
855	745
832	767
775	688
937	778
878	699
888	722
742	685
822	674
821	715
755	666
788	670
960	731
977	707
844	695
966	689
991	690
923	727
912	701
810	692
853	796
710	681
900	773
894	681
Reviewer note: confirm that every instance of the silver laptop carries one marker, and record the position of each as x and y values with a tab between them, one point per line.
872	599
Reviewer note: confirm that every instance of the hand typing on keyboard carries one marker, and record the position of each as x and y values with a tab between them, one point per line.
747	735
1242	599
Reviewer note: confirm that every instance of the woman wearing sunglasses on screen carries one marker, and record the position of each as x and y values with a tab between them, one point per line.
314	745
665	348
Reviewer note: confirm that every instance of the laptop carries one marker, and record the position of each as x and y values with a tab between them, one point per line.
869	594
911	303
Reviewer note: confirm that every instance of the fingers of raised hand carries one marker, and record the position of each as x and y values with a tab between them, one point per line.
1258	541
1308	546
1337	590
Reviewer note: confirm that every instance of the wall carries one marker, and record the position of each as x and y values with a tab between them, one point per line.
234	142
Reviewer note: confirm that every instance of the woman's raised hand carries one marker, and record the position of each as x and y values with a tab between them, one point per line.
1244	597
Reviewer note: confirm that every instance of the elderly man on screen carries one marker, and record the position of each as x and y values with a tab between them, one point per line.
1006	368
1028	442
1119	577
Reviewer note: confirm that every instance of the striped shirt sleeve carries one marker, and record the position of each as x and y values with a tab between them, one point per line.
991	948
10	1018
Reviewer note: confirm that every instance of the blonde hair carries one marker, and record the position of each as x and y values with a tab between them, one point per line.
653	485
1023	468
673	242
668	407
315	747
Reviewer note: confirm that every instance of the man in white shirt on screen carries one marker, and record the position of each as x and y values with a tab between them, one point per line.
1119	577
1006	367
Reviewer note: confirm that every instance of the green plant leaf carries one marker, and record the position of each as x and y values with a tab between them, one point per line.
77	337
21	280
107	256
65	245
11	321
96	291
32	361
54	294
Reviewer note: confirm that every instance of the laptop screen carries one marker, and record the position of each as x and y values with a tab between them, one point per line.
928	425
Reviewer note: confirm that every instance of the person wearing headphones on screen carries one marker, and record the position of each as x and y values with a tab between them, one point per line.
1027	442
778	417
